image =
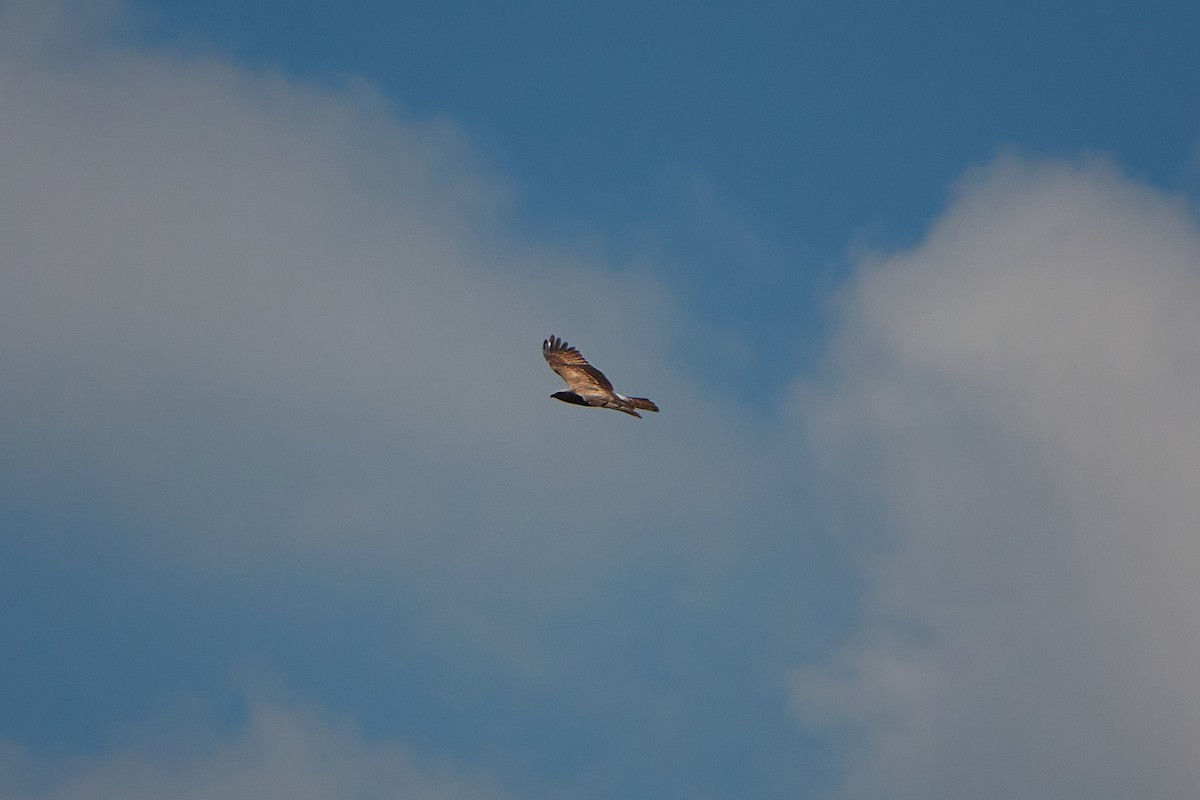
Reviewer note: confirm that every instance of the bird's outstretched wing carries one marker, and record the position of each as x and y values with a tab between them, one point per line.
572	367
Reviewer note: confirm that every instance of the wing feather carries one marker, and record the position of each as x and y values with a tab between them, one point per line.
572	367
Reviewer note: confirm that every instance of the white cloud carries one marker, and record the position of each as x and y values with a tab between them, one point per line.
1016	402
294	319
282	751
282	333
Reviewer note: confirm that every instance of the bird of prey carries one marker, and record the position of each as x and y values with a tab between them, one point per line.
588	386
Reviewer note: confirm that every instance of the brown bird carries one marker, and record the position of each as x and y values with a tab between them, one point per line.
588	385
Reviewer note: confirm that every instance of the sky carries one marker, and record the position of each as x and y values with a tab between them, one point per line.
286	509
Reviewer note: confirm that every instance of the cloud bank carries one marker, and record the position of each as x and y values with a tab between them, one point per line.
1016	405
225	286
271	393
283	751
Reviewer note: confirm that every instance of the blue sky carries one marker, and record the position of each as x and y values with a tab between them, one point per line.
285	506
753	144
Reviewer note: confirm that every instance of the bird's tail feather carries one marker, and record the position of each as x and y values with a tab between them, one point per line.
644	403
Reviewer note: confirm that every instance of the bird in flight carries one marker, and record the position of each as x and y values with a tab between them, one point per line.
588	386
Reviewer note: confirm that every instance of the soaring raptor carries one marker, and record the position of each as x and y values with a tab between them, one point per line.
588	385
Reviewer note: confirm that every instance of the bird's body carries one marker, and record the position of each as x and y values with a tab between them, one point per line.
588	386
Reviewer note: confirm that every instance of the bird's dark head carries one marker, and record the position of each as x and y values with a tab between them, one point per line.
569	397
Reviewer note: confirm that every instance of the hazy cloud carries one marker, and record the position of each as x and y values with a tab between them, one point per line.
282	750
272	389
296	318
1016	405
